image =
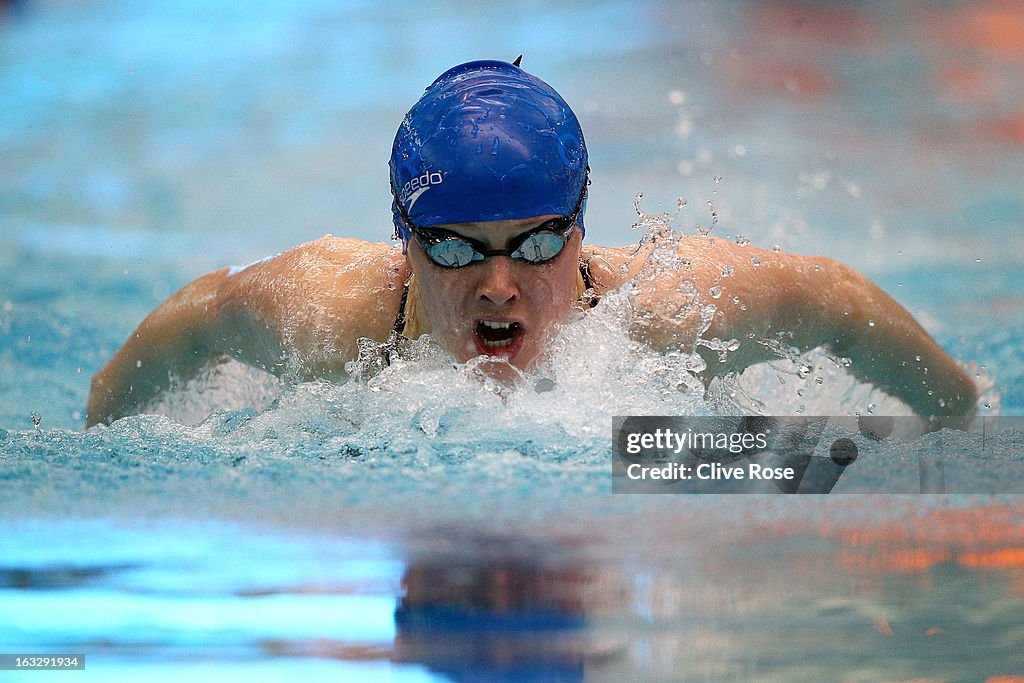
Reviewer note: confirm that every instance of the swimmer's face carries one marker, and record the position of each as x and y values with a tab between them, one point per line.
499	307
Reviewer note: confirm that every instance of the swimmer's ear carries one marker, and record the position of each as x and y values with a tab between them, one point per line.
518	61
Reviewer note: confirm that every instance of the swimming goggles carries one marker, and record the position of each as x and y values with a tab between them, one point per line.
451	250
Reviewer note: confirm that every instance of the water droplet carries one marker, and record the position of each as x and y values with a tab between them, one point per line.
917	358
742	240
817	268
702	230
715	292
494	146
804	371
756	261
819	380
727	271
639	212
714	213
942	403
776	248
987	404
871	323
736	300
871	408
718	178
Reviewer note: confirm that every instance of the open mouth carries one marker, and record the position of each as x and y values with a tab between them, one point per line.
498	338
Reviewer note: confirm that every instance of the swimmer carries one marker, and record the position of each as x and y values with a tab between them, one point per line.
489	173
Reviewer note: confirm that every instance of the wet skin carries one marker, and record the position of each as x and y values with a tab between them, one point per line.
302	313
468	307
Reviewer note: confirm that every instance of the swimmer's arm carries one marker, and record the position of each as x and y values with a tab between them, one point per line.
888	348
300	312
803	302
174	341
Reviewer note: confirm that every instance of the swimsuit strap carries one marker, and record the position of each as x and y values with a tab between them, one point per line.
400	320
588	282
585	273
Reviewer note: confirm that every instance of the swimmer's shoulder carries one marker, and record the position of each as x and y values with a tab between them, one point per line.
334	285
328	260
608	267
611	267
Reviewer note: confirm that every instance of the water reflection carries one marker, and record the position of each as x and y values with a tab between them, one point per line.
58	578
506	618
842	592
931	593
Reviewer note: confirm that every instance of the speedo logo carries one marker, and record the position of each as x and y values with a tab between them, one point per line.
413	189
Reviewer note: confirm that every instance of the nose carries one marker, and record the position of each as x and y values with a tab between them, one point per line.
497	284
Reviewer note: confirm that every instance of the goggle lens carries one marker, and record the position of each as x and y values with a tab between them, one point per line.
539	247
453	253
450	250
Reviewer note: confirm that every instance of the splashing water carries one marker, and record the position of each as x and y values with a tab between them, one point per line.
409	396
411	418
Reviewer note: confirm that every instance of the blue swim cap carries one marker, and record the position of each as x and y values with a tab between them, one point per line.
486	142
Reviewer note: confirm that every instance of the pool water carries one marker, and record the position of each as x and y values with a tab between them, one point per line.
424	523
